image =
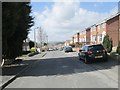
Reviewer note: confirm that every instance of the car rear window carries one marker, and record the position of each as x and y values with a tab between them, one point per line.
96	47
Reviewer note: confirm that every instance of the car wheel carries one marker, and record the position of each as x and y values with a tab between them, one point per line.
86	61
79	58
3	61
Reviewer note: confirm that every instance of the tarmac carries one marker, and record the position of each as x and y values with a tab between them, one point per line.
11	72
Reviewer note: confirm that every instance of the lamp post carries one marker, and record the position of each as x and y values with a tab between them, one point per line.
35	37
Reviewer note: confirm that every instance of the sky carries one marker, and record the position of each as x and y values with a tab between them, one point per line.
61	20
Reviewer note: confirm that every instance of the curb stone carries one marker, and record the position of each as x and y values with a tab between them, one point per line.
17	75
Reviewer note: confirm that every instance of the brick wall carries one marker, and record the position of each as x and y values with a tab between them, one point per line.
88	36
112	29
101	32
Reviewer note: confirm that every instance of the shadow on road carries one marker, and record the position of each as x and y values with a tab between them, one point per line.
57	66
13	69
67	65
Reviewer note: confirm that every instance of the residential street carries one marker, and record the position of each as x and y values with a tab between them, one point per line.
64	70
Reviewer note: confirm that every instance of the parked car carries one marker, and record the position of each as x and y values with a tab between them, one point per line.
50	49
68	49
93	52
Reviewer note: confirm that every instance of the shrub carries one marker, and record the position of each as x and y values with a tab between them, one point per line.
107	43
33	49
118	48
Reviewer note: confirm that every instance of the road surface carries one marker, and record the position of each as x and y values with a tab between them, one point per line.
64	70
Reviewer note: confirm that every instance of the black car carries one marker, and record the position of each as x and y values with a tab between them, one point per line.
68	49
92	52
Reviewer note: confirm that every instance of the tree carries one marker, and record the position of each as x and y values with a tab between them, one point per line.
16	21
45	44
40	37
118	48
31	44
107	43
110	45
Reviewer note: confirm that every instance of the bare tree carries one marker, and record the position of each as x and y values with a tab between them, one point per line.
40	36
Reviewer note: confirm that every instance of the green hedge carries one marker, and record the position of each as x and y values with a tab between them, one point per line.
118	48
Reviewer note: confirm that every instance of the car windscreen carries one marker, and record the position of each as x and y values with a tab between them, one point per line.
96	48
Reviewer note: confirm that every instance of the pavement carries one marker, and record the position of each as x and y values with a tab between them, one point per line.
11	72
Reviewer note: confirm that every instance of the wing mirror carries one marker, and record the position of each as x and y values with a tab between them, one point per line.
80	50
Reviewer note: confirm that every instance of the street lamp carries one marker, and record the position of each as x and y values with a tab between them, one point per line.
35	37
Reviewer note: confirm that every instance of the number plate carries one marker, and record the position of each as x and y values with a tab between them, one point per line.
98	56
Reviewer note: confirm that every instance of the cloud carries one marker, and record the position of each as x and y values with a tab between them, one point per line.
65	19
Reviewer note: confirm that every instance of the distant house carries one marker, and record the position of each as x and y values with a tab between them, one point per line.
26	45
67	42
82	37
76	38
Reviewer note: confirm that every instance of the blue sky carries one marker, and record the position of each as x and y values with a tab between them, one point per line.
98	6
92	6
62	20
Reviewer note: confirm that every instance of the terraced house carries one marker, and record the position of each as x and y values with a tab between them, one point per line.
95	33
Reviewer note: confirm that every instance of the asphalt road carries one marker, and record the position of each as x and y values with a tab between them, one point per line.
64	70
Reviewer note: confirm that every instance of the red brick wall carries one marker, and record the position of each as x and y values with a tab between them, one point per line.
88	36
112	30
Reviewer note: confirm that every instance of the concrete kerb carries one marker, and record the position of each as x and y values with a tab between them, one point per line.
17	75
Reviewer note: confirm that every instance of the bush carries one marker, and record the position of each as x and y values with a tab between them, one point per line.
118	48
107	43
33	49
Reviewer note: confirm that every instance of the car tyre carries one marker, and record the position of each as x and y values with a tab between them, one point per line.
86	61
80	58
3	61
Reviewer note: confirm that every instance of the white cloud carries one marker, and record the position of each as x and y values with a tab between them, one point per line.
66	18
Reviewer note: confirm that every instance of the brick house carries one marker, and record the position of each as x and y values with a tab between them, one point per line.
93	34
67	42
100	32
82	37
88	35
76	38
108	26
113	28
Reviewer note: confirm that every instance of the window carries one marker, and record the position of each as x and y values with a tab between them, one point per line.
100	37
94	38
96	47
